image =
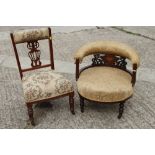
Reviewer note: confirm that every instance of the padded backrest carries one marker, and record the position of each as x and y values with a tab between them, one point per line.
108	47
30	35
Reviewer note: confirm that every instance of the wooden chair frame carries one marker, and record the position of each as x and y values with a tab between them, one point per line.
108	60
36	64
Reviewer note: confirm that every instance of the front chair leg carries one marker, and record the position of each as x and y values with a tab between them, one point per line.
82	104
71	103
30	113
121	109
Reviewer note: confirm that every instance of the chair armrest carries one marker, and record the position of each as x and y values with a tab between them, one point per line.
134	74
77	72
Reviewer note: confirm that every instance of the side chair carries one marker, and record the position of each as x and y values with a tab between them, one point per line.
40	85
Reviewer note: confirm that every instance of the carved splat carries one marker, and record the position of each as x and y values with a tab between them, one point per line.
34	53
120	62
98	60
109	60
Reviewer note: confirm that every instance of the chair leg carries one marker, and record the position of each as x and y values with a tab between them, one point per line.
30	113
121	110
71	103
82	104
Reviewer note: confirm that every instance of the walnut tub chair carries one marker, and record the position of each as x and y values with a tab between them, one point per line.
40	85
107	79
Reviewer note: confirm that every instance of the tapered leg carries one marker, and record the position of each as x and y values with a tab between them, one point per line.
30	113
121	109
82	104
71	103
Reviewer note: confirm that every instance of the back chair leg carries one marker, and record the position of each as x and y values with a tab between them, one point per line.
82	104
30	113
121	109
71	103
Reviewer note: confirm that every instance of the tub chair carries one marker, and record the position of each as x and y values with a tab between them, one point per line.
106	79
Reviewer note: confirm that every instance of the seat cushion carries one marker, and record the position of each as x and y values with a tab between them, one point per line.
105	84
45	84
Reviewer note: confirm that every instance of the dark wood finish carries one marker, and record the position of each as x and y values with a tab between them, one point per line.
134	74
30	113
34	55
37	67
77	69
81	103
51	48
71	103
121	110
17	57
107	60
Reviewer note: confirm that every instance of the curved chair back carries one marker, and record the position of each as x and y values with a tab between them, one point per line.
108	53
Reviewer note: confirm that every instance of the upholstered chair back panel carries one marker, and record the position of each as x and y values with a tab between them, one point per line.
108	47
30	35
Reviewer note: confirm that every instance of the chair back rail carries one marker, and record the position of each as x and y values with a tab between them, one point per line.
108	60
32	37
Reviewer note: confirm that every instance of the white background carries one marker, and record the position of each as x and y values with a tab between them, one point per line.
77	13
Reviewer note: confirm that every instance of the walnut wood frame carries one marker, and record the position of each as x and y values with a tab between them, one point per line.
34	49
108	60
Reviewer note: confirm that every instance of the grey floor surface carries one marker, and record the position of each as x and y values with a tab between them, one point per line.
139	110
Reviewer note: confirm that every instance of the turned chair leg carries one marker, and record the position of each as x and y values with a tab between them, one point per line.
121	110
82	104
30	113
71	103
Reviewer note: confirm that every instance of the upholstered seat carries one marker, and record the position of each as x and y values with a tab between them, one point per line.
106	79
40	85
45	84
105	84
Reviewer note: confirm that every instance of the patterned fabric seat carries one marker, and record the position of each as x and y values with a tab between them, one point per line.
45	84
105	84
42	85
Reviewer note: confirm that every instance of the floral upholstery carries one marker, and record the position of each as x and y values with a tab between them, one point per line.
105	84
108	47
30	35
45	84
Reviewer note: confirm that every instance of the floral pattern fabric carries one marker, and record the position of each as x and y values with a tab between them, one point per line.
44	85
30	35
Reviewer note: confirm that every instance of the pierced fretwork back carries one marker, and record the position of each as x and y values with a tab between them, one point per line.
34	53
32	37
109	60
